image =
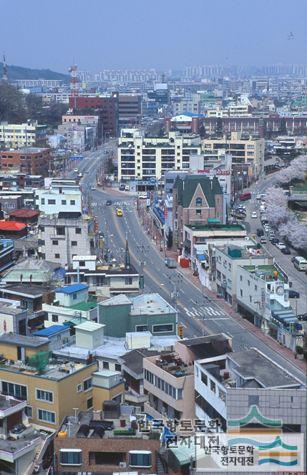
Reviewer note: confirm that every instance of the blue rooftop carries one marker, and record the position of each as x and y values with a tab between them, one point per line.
46	332
70	289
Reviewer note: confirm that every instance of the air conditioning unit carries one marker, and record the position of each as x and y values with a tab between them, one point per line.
122	464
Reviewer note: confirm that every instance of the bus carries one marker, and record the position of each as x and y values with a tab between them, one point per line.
300	263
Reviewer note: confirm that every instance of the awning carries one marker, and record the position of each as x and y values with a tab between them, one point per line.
214	221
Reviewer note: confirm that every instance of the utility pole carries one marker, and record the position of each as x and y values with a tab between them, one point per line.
175	279
143	249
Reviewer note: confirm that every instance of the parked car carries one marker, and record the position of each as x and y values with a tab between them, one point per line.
245	196
108	202
286	250
260	232
254	214
121	187
274	240
119	212
127	188
280	245
293	294
170	263
263	240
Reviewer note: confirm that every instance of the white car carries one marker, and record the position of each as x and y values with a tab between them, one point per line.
280	245
254	214
76	170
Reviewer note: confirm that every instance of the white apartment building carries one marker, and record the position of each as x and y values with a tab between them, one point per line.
240	110
142	157
248	151
227	259
60	239
228	386
29	134
187	104
61	196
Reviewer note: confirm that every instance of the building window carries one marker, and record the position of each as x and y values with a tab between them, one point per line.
43	201
16	390
87	384
140	458
253	400
79	388
222	395
63	202
74	296
165	327
46	416
55	318
57	256
118	367
199	202
128	280
51	202
241	292
78	230
204	378
89	403
72	202
105	365
212	386
70	456
74	243
55	242
141	328
29	411
42	395
60	230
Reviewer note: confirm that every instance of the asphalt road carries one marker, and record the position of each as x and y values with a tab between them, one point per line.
198	314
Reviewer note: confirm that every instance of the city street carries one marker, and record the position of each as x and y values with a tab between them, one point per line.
198	313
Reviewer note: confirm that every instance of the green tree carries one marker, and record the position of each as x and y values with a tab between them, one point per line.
12	104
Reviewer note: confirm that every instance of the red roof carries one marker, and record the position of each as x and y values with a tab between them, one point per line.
24	213
11	226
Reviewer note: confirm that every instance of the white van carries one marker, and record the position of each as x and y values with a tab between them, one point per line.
300	263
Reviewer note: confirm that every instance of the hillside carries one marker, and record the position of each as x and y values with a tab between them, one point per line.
18	72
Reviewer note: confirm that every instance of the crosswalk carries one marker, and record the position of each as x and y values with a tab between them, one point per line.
207	313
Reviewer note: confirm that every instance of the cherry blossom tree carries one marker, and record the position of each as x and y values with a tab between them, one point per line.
295	170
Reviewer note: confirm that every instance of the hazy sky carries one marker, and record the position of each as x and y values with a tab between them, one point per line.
152	33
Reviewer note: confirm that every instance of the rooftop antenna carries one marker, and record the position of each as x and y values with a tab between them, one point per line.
5	77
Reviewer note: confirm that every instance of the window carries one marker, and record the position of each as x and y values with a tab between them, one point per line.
89	403
105	365
179	393
87	384
198	212
199	202
60	230
43	201
63	202
72	202
70	456
29	411
204	378
51	202
74	296
46	416
57	256
128	280
55	242
140	458
79	388
78	230
74	243
212	386
166	327
241	292
253	400
250	299
141	328
118	367
55	318
42	395
15	390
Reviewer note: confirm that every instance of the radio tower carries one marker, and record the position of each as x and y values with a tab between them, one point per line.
5	77
74	88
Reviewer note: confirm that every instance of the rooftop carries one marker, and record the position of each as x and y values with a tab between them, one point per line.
216	227
12	226
70	289
208	346
150	304
49	331
84	306
89	326
26	290
172	364
265	272
120	299
22	340
24	213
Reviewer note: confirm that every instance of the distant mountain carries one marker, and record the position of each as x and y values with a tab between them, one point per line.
18	72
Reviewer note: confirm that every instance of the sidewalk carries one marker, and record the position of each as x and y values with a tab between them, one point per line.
268	340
